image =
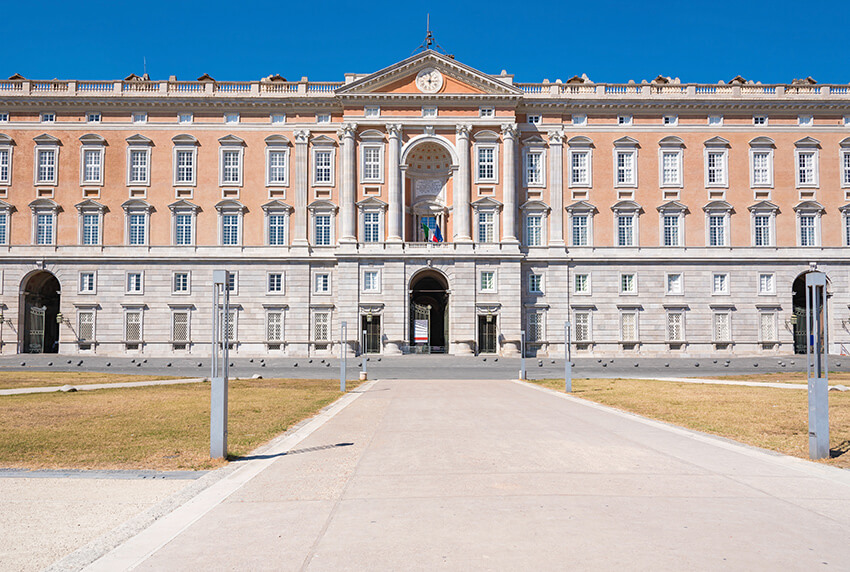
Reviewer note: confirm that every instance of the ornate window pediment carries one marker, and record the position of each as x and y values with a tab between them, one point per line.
231	140
323	206
184	205
6	140
137	205
535	206
808	142
580	141
230	205
486	203
185	139
371	203
45	205
45	139
762	142
582	207
717	142
626	142
809	206
763	206
672	141
627	207
718	206
92	139
277	140
90	206
278	206
673	207
138	139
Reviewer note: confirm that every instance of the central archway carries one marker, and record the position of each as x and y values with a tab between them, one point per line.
428	163
429	303
39	305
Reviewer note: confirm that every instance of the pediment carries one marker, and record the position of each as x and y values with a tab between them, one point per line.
92	139
673	206
809	206
627	206
486	202
763	206
762	142
231	140
182	205
138	139
717	142
582	207
45	139
371	202
807	142
718	206
276	205
400	79
90	205
230	205
535	205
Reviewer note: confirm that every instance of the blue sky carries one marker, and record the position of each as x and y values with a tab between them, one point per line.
609	41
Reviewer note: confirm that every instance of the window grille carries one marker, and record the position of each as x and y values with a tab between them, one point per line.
274	329
582	326
321	327
534	328
721	327
767	323
133	327
628	326
180	327
85	326
674	326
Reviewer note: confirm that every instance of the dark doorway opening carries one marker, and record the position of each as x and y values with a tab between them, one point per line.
429	300
487	334
40	306
371	325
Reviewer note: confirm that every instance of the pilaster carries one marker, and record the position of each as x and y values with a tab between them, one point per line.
394	197
509	188
460	201
348	184
299	217
556	187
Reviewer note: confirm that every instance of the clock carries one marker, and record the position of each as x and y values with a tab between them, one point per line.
429	80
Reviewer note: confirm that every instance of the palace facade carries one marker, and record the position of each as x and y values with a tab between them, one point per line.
658	218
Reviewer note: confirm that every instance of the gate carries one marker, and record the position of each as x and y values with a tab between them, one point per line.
372	326
800	330
36	329
421	317
487	334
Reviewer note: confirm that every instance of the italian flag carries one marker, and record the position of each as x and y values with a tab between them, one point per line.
430	235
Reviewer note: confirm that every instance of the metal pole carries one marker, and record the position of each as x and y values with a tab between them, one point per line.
522	354
365	355
817	369
342	337
568	366
219	371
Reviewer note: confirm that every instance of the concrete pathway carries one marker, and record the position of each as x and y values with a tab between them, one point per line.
93	386
500	475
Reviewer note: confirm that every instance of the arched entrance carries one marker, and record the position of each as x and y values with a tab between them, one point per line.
39	307
429	313
428	165
798	305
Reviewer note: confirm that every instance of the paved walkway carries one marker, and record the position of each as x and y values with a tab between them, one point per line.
500	475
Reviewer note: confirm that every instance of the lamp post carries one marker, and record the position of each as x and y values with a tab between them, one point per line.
817	367
342	336
522	354
568	366
220	368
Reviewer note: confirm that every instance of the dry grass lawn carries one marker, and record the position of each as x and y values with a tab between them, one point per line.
157	427
766	417
20	379
835	377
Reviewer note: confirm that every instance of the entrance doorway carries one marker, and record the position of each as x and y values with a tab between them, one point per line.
429	310
372	326
39	306
487	334
798	305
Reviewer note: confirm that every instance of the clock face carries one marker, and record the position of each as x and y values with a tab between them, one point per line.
429	80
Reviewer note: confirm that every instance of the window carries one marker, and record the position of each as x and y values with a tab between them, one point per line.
277	229
671	230
275	283
429	111
582	326
762	230
486	112
92	165
762	168
486	227
322	283
370	281
91	228
626	168
48	117
274	326
132	328
846	229
845	168
534	169
4	117
180	328
808	234
534	326
717	230
626	230
670	120
4	227
46	173
535	283
720	283
715	120
231	166
5	166
87	283
139	172
533	119
323	230
766	283
371	226
579	120
372	111
722	329
805	120
44	228
581	283
185	166
807	168
671	168
372	163
321	326
277	118
715	164
185	118
85	328
180	284
628	326
767	327
624	120
277	167
486	158
93	117
534	230
323	118
675	323
759	119
227	329
675	284
137	227
487	281
140	117
230	223
579	168
184	228
134	283
580	224
628	283
323	167
232	283
231	118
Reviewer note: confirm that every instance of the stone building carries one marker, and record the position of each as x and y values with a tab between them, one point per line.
659	218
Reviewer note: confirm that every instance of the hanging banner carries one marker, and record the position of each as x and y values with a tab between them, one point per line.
420	331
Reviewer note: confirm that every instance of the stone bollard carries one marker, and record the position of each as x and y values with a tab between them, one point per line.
364	376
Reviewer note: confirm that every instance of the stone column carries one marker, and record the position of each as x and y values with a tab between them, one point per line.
394	190
509	190
460	202
348	186
556	187
299	219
